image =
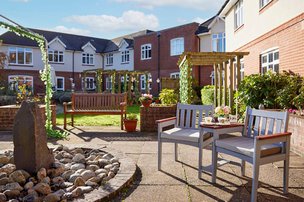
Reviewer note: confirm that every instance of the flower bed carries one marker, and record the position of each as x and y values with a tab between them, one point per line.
8	112
148	116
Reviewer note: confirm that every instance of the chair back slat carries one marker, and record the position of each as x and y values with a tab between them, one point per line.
190	116
257	122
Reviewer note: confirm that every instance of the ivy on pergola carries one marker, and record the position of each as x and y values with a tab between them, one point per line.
221	62
45	74
115	76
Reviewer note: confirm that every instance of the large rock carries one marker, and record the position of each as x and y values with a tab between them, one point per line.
17	176
30	140
43	188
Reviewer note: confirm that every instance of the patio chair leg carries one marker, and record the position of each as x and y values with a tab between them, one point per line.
121	122
200	159
255	181
214	162
286	176
243	167
72	118
159	154
175	151
64	121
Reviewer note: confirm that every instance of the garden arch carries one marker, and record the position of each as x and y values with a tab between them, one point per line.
223	63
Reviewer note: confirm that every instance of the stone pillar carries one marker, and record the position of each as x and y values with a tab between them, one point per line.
30	139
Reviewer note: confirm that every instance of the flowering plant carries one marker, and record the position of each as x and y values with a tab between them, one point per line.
222	111
145	97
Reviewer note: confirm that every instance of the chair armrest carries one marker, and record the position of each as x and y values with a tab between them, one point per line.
65	106
164	123
123	106
270	139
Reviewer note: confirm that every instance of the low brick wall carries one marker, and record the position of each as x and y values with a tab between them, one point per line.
296	126
8	112
149	115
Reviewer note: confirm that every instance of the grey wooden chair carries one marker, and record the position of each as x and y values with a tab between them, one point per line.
185	131
264	140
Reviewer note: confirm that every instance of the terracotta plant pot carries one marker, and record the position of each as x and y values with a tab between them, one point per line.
146	103
130	125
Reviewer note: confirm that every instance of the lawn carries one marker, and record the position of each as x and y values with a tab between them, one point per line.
97	120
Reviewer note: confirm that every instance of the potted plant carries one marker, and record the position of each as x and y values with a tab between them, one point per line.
145	100
156	100
130	122
221	113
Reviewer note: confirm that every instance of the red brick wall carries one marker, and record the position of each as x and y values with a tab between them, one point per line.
7	115
168	64
289	38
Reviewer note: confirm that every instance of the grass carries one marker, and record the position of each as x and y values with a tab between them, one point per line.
98	120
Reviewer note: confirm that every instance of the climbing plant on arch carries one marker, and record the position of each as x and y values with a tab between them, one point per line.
45	74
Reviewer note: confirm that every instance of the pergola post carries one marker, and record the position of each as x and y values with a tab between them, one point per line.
113	82
220	84
119	83
225	83
215	83
238	71
125	83
231	79
129	85
84	81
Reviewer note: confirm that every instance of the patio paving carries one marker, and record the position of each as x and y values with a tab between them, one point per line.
178	180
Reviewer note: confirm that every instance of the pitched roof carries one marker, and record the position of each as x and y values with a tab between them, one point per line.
203	27
72	42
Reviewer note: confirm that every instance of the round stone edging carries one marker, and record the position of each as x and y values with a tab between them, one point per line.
122	179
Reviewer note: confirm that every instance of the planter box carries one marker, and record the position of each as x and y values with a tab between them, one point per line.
8	112
149	115
296	126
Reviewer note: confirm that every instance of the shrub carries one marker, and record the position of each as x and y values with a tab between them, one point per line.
131	116
207	93
168	96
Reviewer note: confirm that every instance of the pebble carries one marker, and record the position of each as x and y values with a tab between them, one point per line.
114	160
8	168
59	148
66	185
88	174
13	185
66	175
78	166
41	174
2	175
79	158
28	185
93	167
92	184
17	176
86	189
46	180
99	171
43	188
78	151
103	162
108	167
107	156
79	181
4	159
58	180
73	177
12	193
4	180
31	198
51	198
2	197
95	179
77	192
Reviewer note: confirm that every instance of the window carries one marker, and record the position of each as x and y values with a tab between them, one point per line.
264	3
20	56
90	83
238	14
125	56
87	59
109	83
143	82
109	59
177	46
59	83
55	56
146	51
218	42
270	61
212	78
242	70
174	75
18	80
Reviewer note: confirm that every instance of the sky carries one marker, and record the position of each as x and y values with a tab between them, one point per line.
107	18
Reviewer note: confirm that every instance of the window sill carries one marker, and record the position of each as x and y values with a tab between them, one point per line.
109	65
58	63
20	65
264	8
239	28
123	63
146	58
88	65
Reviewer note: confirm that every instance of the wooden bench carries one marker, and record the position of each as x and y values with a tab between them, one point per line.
96	104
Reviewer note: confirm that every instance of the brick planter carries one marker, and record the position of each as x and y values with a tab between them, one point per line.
149	115
8	112
296	126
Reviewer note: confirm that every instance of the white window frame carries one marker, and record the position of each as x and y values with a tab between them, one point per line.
88	57
174	75
177	46
212	78
217	39
25	52
109	59
270	65
143	82
146	51
87	84
125	57
59	53
238	14
264	3
62	78
109	83
11	78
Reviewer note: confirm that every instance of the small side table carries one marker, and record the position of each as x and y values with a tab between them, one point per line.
217	130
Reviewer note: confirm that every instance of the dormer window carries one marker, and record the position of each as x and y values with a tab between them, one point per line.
55	56
109	59
87	59
125	56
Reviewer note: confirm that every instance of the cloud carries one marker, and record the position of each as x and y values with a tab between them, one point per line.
199	20
128	21
196	4
72	30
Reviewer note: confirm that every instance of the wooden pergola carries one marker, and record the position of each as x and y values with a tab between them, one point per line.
223	64
115	75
